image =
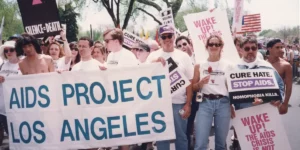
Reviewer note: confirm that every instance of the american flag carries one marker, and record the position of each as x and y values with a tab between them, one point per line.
251	23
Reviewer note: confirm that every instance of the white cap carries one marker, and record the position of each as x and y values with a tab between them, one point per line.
9	44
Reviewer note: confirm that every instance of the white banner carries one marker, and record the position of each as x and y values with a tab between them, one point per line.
237	16
247	84
79	110
260	128
178	80
130	39
202	25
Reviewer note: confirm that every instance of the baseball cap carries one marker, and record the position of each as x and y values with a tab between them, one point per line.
166	29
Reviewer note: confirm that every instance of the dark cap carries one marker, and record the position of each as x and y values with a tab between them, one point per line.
144	47
166	29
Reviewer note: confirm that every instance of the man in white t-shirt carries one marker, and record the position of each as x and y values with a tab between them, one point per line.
181	101
119	57
87	62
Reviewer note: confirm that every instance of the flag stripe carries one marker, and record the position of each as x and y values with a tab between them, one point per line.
251	23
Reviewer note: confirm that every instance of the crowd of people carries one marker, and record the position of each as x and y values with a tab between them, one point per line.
25	55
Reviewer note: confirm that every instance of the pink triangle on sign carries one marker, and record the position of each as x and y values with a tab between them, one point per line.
36	2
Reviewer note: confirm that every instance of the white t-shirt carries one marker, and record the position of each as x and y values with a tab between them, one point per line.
61	65
8	69
217	80
260	56
89	65
185	66
122	58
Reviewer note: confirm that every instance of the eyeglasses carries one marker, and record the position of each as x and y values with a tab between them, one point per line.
140	50
169	36
10	50
74	49
253	48
107	40
214	44
183	44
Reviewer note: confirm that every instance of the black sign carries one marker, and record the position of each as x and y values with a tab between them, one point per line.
40	17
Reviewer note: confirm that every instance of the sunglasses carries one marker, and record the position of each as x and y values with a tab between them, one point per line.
167	36
253	48
74	49
214	44
183	44
10	50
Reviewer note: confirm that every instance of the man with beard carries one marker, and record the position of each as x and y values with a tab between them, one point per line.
249	61
34	62
275	48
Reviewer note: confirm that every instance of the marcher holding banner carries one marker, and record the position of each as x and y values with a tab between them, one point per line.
209	79
182	100
34	62
9	68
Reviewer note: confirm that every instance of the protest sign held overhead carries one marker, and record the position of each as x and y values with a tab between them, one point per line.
80	110
245	85
202	25
178	80
131	39
40	17
260	128
167	17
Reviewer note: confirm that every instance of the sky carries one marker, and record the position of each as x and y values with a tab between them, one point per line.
275	14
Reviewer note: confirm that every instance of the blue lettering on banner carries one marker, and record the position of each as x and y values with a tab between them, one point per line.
113	126
84	93
123	90
139	124
31	98
156	121
27	133
89	128
138	87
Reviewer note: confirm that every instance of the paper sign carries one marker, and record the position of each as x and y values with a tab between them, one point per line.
260	128
202	25
167	17
245	85
40	17
82	110
130	39
238	16
178	80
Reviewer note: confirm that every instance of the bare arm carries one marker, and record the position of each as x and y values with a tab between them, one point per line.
21	68
67	50
288	83
196	78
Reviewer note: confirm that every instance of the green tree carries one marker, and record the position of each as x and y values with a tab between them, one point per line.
13	23
68	16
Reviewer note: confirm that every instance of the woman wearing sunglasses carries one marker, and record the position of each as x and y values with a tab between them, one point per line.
75	54
9	68
209	79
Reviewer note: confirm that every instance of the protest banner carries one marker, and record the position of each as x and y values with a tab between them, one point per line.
40	18
202	25
260	128
130	39
1	29
79	110
178	80
245	85
237	16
